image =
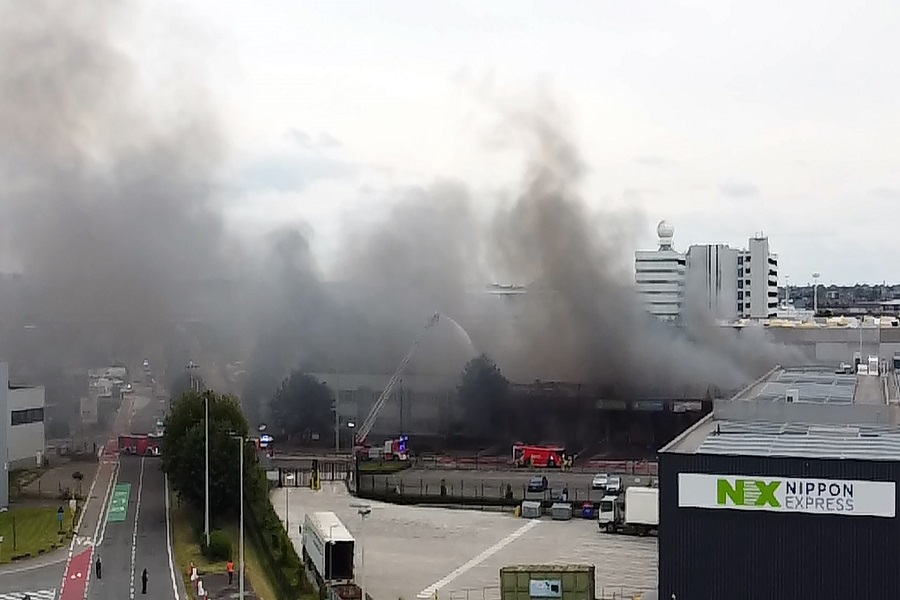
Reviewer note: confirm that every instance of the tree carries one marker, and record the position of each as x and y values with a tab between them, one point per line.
302	407
183	449
482	394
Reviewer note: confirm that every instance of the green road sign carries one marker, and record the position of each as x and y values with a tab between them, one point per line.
118	505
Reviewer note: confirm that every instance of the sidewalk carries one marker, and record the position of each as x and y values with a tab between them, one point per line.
217	587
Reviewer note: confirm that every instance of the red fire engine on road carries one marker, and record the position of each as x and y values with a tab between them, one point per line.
525	455
141	445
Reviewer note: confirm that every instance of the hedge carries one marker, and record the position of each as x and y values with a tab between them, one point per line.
284	567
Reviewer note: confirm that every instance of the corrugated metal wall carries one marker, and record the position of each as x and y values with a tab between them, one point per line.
746	555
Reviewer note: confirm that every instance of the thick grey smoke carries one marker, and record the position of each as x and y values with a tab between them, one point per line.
588	325
108	214
110	211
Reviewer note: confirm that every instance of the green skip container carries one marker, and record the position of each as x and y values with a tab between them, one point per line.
565	582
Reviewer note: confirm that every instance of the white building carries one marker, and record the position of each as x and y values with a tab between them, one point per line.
22	439
711	279
659	276
712	286
731	283
25	438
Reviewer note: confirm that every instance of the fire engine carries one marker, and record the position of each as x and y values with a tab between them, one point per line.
392	449
141	445
525	455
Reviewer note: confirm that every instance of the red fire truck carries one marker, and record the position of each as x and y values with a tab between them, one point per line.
141	445
526	455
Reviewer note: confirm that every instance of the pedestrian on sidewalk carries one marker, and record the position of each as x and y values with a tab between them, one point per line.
98	567
230	571
144	582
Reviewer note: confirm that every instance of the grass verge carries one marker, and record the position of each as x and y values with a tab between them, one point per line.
383	468
30	531
186	548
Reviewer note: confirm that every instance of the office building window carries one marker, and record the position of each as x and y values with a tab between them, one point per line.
29	415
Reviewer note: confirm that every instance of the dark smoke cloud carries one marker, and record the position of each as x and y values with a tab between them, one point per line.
588	325
111	212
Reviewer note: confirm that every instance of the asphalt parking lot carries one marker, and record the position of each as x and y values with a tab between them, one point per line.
412	551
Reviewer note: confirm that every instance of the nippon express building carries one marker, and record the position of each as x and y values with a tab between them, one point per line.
786	491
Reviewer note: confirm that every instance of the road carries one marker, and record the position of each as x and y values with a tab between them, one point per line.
137	539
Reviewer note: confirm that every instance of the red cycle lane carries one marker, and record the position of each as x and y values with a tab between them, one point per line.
74	585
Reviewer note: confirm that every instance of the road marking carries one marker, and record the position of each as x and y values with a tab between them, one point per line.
100	532
38	595
431	589
137	516
75	581
118	506
73	543
169	543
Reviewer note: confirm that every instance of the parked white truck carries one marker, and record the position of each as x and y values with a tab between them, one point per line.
328	548
636	512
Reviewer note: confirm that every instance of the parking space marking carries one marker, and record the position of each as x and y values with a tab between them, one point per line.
430	590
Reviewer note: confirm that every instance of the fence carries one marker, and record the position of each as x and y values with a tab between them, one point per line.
493	593
484	489
494	463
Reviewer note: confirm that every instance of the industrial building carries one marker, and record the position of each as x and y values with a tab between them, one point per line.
22	439
727	283
787	490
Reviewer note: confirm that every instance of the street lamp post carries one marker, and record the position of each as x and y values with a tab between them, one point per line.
206	483
241	538
815	294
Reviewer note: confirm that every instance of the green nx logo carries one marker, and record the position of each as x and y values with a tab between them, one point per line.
747	492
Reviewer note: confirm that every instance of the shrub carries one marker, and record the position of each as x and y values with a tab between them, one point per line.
219	546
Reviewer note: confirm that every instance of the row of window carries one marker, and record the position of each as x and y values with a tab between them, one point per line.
26	416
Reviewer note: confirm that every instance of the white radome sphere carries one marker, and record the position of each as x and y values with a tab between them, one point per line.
665	230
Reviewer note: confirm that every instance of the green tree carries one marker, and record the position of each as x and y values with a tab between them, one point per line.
183	451
482	394
302	407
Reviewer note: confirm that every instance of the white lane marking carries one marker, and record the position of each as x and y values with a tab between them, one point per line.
104	510
137	516
90	493
431	589
169	543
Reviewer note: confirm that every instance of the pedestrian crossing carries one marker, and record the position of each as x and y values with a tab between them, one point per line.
39	595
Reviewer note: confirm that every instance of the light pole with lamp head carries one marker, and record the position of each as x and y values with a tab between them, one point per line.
364	510
242	440
815	294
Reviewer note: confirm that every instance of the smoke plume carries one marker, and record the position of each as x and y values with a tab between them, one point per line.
111	213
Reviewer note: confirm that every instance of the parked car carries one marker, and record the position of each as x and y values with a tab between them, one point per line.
614	485
538	484
599	481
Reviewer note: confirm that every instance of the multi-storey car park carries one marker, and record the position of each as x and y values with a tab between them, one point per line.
786	491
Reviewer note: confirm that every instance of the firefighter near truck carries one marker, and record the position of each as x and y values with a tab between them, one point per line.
540	457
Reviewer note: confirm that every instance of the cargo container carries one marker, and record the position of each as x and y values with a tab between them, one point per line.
565	582
328	548
636	512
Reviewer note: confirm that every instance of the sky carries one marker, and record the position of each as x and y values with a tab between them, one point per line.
724	118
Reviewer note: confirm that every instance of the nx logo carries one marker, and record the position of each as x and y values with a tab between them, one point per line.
747	492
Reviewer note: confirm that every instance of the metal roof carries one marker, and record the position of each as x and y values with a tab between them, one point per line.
812	386
871	442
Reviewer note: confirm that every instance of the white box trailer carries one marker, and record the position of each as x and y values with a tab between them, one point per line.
328	548
636	512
